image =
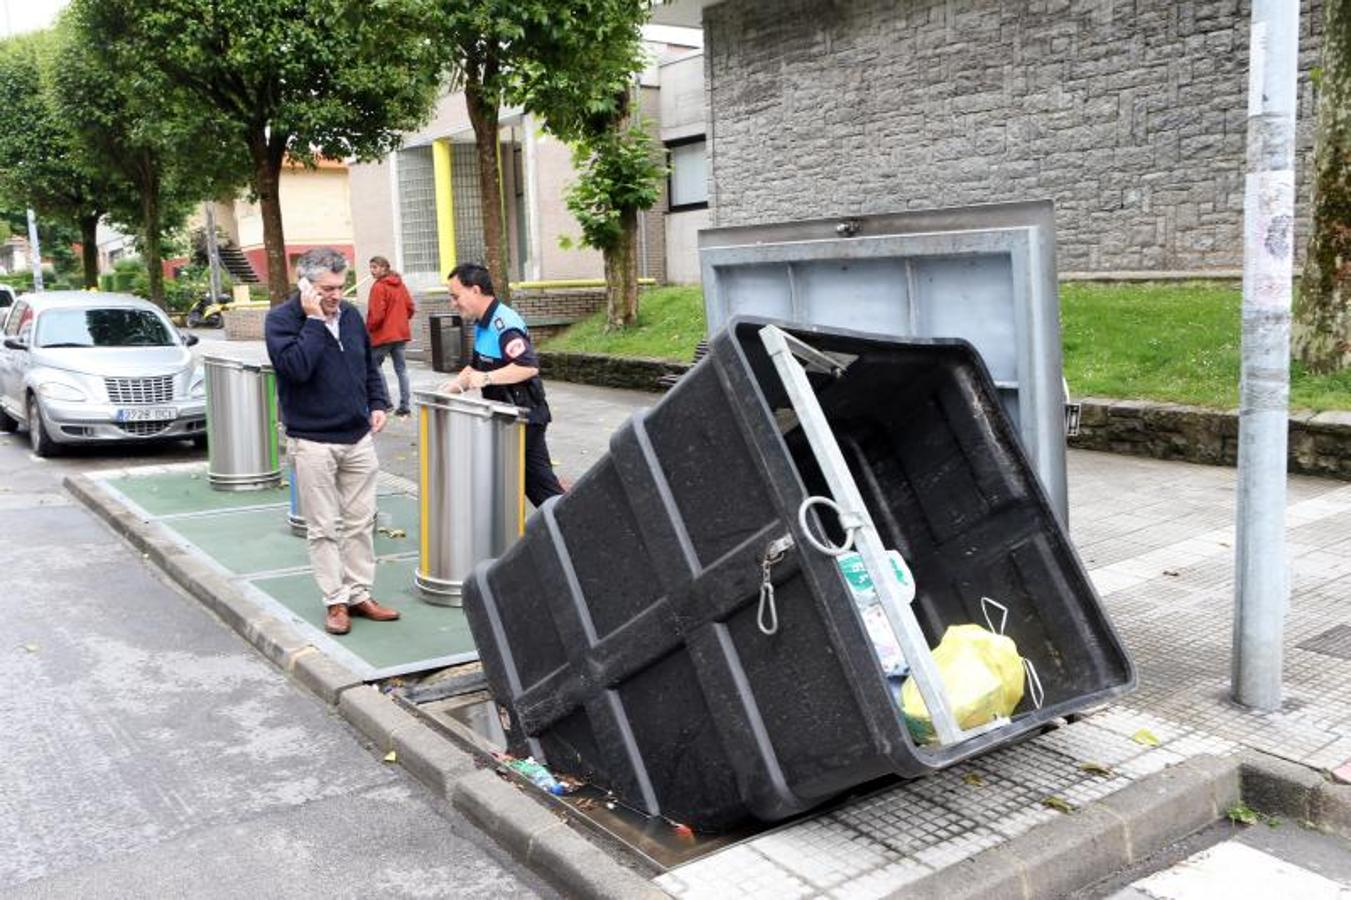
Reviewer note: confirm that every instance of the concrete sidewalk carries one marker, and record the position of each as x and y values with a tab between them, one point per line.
1157	539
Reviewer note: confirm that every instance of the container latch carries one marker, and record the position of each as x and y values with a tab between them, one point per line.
768	615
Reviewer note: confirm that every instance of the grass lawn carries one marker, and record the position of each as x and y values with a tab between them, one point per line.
1176	342
1169	341
670	324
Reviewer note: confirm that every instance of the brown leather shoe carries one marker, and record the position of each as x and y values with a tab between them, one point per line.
369	609
337	621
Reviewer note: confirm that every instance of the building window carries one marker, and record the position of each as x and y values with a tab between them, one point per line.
470	245
417	210
688	182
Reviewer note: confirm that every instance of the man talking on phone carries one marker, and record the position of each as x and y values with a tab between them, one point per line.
332	401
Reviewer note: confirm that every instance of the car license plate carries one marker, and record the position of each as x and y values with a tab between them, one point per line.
147	414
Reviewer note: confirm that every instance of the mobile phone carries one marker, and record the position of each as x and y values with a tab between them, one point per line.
303	284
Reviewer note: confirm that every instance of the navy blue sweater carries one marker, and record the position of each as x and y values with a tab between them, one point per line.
327	388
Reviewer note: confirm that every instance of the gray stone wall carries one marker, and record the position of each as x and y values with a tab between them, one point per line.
1130	114
633	373
1319	443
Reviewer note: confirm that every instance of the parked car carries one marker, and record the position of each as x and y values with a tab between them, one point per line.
6	301
79	367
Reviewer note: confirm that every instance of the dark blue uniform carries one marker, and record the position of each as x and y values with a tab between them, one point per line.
500	339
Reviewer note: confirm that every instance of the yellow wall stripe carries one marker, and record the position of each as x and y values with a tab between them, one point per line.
445	205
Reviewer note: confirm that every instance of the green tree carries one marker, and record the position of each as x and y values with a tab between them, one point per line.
579	77
40	163
617	176
171	154
481	37
299	78
572	63
1322	314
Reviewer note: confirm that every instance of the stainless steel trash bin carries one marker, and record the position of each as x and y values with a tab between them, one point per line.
471	487
241	424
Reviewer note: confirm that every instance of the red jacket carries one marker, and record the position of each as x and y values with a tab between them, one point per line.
390	308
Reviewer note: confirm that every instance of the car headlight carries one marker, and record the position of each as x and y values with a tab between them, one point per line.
56	390
197	388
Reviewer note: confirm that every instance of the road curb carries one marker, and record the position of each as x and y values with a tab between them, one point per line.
546	842
1278	787
324	677
543	840
1080	848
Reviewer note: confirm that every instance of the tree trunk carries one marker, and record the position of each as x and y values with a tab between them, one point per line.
483	112
267	158
621	274
150	232
89	249
1322	314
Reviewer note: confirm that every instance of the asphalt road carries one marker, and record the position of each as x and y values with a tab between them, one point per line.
148	751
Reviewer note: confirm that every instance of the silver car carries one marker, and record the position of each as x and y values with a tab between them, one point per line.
79	367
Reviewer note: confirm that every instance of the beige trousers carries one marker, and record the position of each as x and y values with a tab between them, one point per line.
336	485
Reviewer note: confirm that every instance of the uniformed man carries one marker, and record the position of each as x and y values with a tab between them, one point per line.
506	368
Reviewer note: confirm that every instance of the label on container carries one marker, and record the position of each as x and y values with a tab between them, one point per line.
885	645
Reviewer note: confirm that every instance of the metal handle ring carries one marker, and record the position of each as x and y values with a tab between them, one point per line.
825	547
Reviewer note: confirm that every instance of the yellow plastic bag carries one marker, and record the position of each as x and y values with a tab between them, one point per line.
982	673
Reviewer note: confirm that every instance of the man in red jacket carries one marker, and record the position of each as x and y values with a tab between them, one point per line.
391	306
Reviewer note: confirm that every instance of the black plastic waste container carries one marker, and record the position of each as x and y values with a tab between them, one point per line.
447	337
620	633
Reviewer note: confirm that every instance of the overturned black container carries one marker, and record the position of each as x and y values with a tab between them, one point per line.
620	633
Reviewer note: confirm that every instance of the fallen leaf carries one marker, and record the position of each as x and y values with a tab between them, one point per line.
396	532
1095	768
31	648
1146	737
391	756
1173	573
1242	814
973	779
1058	803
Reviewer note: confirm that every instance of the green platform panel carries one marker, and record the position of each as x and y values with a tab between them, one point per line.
245	541
426	635
247	533
250	541
176	493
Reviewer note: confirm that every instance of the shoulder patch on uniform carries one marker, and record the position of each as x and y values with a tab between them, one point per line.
499	324
515	347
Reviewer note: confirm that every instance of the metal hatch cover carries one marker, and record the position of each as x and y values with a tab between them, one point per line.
986	274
